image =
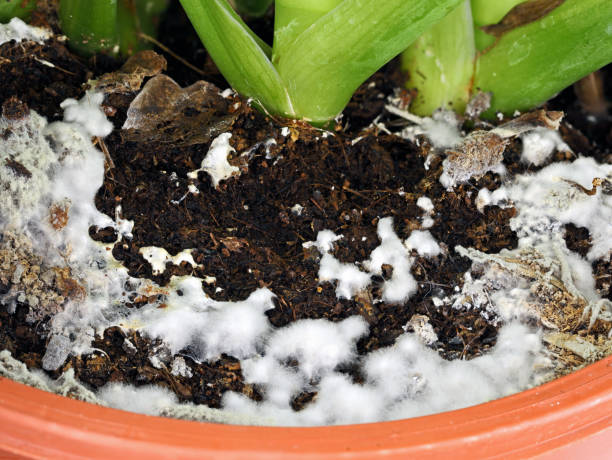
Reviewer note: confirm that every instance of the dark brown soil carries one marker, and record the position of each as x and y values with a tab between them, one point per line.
245	234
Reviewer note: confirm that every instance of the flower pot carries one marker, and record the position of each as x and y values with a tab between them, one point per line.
566	418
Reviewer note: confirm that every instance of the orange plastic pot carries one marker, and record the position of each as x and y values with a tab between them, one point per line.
568	418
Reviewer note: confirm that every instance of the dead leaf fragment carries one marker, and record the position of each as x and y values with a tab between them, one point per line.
164	112
367	309
522	14
573	343
233	243
131	75
597	182
479	152
479	103
58	215
529	121
68	286
14	109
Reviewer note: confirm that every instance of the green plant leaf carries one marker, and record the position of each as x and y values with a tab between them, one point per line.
239	54
91	26
326	63
15	8
292	17
486	12
440	63
532	63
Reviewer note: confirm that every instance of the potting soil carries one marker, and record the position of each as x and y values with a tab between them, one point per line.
196	254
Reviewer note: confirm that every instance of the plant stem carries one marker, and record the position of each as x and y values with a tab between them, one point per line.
327	62
137	17
110	26
240	55
440	63
591	95
317	70
91	26
15	8
532	63
487	12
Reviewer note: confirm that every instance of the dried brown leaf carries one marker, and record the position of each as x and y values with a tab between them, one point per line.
536	119
58	215
164	112
14	109
233	243
479	103
478	153
131	75
522	14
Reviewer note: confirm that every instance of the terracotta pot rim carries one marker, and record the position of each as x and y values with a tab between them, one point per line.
570	414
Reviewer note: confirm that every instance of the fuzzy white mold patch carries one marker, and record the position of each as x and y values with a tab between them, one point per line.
423	243
53	172
504	288
180	368
487	198
65	385
215	162
539	144
524	282
517	283
481	151
297	209
51	169
405	380
88	114
350	279
18	30
422	328
564	193
27	159
124	226
425	204
391	251
159	257
442	128
150	399
234	328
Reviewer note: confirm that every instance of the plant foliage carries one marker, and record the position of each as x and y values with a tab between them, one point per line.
529	52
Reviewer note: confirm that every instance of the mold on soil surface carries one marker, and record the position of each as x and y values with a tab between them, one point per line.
248	233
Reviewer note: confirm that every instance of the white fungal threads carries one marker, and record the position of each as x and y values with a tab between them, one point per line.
391	251
159	257
88	114
215	162
18	30
405	379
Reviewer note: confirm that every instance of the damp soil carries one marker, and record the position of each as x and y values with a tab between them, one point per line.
247	233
